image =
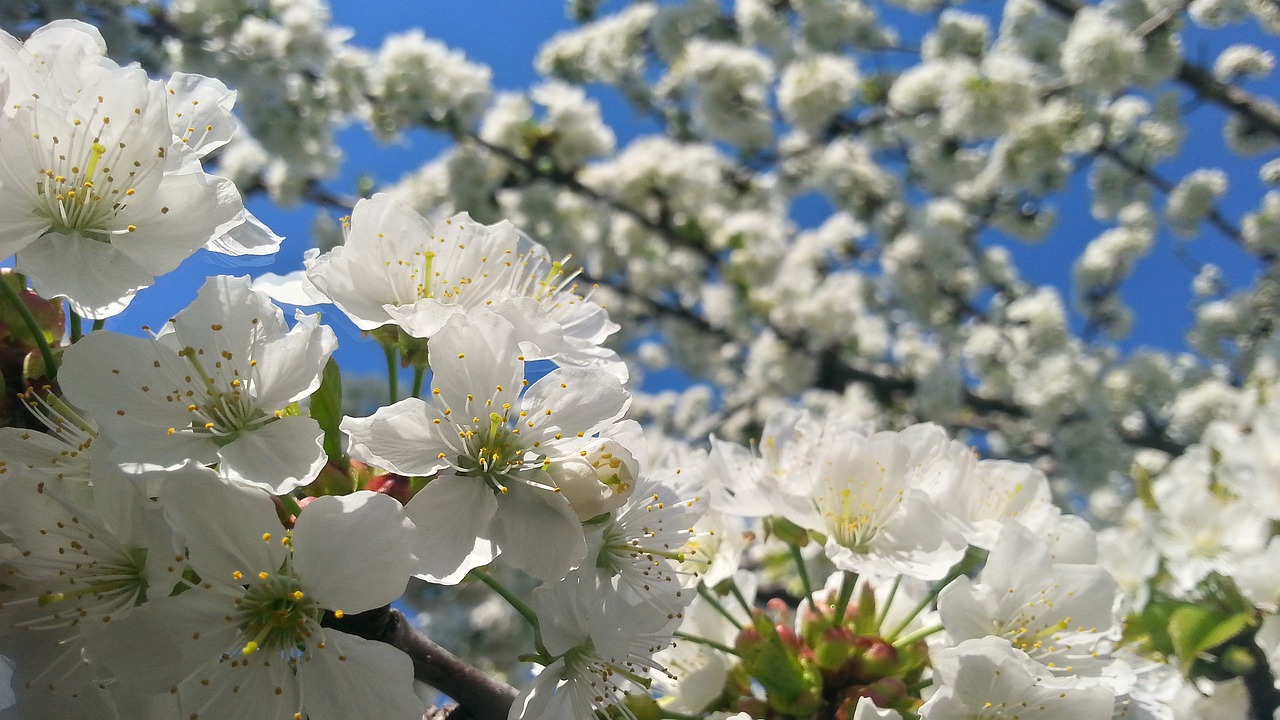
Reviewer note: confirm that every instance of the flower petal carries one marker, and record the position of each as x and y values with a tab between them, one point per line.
452	516
351	677
538	532
282	455
237	538
353	553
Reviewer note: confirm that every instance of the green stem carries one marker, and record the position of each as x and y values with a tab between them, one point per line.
804	574
76	331
521	607
419	373
33	326
910	638
746	606
888	601
915	687
673	715
98	324
972	558
393	372
704	641
706	595
847	584
290	504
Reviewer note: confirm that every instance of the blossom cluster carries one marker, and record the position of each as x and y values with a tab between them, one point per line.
191	523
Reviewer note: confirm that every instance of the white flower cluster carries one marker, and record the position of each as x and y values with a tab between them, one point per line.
100	167
818	233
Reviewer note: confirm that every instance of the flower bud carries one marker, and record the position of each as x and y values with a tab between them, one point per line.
397	486
834	648
788	532
879	660
886	692
332	480
598	482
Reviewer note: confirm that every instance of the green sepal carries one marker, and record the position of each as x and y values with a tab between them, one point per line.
326	409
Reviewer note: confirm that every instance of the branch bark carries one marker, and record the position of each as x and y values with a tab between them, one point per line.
479	696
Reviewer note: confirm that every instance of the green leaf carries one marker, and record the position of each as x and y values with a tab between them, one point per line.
326	409
1194	629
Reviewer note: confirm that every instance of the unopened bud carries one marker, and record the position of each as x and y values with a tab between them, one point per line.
598	482
879	660
833	648
396	486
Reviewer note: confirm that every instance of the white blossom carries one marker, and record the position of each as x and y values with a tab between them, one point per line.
214	385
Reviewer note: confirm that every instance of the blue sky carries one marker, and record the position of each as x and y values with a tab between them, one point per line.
506	34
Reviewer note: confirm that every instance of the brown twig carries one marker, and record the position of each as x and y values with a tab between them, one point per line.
479	696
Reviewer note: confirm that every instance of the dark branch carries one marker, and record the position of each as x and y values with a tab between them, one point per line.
479	696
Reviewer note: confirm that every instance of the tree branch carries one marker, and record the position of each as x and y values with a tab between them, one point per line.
479	696
1261	114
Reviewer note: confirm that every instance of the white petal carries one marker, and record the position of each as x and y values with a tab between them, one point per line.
535	701
475	355
200	111
56	265
278	457
400	437
186	211
240	536
248	236
353	553
289	368
574	400
292	288
227	317
352	677
452	516
538	532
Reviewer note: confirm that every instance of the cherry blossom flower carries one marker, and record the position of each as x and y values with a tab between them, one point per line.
488	448
988	678
215	385
395	268
82	557
600	650
866	500
247	640
1060	614
93	175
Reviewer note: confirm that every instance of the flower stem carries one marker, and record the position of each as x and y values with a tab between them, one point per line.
98	324
746	606
419	373
521	607
910	638
76	331
290	504
393	372
33	326
706	595
972	558
888	602
704	641
804	574
847	583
